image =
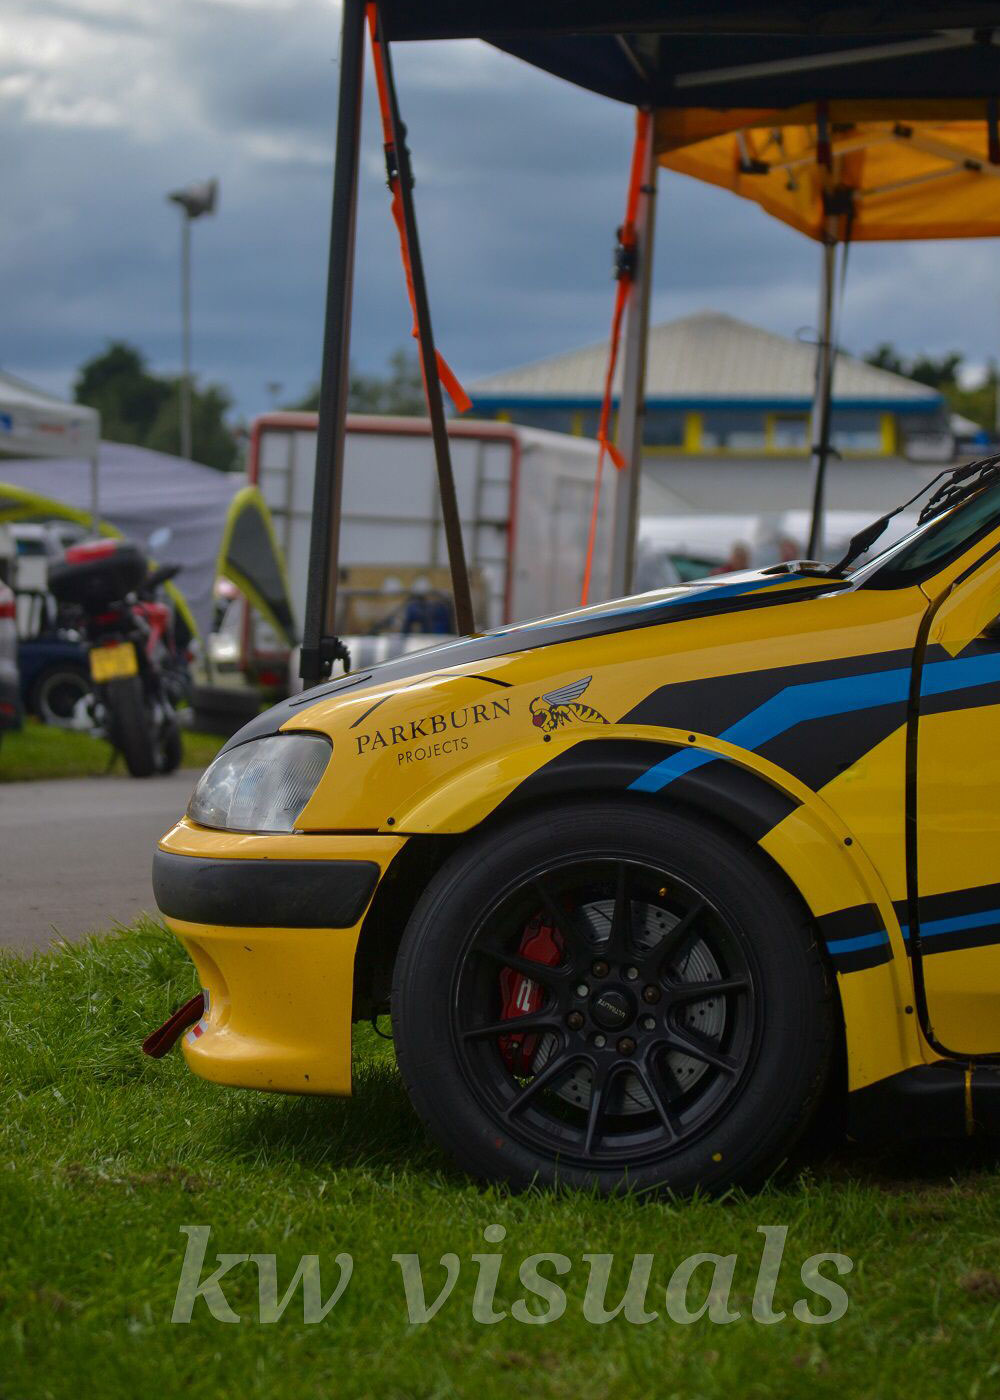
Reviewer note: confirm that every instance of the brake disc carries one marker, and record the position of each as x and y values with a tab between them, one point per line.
651	924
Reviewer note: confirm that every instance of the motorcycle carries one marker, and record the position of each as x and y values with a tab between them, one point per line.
137	650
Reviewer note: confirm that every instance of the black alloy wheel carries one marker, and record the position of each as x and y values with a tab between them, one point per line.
646	1025
611	994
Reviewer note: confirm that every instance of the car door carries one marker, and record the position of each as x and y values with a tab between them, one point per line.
957	809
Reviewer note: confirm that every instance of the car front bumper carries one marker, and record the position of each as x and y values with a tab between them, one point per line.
272	924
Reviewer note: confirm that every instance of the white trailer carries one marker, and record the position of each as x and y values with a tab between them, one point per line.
524	498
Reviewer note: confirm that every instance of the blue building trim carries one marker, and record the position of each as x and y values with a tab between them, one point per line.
493	403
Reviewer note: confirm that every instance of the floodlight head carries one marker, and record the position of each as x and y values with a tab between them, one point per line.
197	199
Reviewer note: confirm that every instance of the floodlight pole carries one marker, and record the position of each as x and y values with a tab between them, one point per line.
632	404
193	201
185	335
318	640
823	393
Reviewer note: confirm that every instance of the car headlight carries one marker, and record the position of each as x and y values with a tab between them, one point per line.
262	785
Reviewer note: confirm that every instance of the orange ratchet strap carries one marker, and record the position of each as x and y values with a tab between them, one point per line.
625	273
455	391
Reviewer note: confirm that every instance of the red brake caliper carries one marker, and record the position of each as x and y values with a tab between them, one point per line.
542	943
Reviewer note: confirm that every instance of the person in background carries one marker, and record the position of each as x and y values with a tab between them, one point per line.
739	559
788	550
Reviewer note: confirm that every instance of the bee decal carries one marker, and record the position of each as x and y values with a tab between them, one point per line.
556	708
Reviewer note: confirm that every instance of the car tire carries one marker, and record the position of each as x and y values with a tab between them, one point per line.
708	1087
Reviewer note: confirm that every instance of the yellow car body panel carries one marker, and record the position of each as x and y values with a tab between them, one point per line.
782	704
278	1000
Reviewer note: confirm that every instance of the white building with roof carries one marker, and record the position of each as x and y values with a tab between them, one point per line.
727	424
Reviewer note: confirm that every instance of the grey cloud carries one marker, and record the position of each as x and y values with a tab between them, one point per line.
521	181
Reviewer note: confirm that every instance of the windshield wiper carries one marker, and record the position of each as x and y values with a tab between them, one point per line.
958	485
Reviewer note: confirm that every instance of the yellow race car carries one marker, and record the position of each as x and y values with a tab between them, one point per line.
643	885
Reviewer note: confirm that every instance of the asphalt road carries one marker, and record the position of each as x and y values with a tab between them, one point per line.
75	854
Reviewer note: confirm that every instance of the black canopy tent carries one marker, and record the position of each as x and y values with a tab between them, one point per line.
676	53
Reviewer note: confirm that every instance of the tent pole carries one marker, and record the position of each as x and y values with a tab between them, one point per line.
95	498
823	394
632	405
460	586
318	646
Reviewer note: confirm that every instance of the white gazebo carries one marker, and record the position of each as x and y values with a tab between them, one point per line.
36	424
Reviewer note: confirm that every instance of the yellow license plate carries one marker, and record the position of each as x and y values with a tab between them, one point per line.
110	663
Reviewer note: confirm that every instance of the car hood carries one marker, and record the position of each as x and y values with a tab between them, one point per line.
722	593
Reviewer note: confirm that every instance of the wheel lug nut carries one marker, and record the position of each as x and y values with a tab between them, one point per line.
626	1045
600	1041
631	973
649	1023
600	969
651	995
583	990
574	1020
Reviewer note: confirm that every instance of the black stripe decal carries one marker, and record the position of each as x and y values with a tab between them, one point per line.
530	638
957	919
715	703
855	938
721	789
816	750
736	796
492	680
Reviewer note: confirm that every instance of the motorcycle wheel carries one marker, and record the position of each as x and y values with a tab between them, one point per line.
131	727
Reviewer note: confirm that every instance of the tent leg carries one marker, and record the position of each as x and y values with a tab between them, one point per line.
460	586
321	596
632	405
95	494
823	394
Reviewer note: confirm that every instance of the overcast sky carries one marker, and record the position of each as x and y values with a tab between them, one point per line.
105	105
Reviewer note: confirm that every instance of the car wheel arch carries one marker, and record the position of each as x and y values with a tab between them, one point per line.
800	840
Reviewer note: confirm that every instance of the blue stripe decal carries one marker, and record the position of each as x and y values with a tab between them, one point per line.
855	945
956	924
943	676
821	699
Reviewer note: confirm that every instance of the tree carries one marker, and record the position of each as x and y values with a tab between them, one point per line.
937	374
977	401
138	406
940	373
401	391
128	397
886	356
212	442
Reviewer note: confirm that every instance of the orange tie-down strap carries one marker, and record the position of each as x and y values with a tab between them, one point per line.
626	276
447	377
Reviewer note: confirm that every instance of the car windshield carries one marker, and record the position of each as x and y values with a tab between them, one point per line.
933	543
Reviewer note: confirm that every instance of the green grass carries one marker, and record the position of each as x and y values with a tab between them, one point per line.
104	1155
41	751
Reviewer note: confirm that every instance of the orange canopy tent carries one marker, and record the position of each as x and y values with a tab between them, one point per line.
842	172
911	169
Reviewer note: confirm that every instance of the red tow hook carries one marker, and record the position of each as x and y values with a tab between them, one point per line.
165	1037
